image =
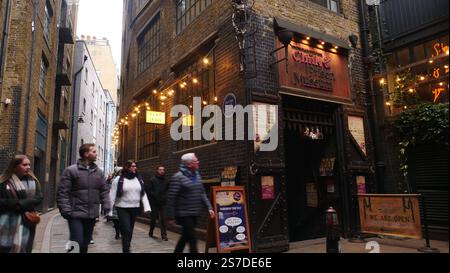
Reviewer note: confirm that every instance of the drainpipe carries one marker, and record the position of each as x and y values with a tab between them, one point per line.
5	37
72	133
380	165
30	70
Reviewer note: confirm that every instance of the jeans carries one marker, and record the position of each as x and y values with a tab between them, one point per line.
161	213
127	218
189	236
81	232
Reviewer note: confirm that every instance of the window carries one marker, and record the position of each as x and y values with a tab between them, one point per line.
204	79
148	134
43	77
149	45
330	4
138	6
84	106
47	20
188	10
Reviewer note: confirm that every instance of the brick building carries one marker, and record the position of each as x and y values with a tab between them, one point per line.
225	53
36	58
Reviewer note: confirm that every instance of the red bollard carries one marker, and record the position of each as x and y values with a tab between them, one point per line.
333	234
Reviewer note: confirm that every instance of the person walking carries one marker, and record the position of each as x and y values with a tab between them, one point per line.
20	194
156	190
128	196
81	190
185	199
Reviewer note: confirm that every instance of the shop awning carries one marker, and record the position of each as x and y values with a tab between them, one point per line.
283	24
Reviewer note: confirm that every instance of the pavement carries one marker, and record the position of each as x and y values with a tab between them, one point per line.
52	235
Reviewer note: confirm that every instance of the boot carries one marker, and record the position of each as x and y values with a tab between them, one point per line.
150	233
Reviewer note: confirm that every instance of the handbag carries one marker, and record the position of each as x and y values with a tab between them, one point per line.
31	218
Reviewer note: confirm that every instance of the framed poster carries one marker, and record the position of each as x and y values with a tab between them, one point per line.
312	197
231	225
267	188
356	128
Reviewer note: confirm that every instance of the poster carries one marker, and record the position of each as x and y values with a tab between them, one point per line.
228	176
361	184
327	166
268	188
231	221
312	198
389	214
356	127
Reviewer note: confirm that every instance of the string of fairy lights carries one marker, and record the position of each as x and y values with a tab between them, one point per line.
162	97
406	83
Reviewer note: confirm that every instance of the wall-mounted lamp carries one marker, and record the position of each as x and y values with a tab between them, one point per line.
285	36
353	40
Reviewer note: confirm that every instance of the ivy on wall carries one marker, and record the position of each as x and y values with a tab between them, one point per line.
426	123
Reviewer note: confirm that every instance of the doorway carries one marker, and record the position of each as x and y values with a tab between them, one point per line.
311	165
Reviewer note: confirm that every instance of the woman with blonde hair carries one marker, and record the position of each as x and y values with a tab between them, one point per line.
20	194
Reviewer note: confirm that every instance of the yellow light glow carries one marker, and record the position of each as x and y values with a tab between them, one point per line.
308	38
336	47
147	104
205	61
133	115
305	42
156	117
215	99
431	61
322	43
422	78
162	97
411	90
388	103
406	107
155	92
195	80
320	46
205	103
441	84
382	81
446	66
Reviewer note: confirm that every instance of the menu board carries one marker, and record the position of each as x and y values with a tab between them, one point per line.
231	225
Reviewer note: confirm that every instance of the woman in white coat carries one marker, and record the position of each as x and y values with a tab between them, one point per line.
128	196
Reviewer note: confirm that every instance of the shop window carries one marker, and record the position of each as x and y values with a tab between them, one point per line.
199	83
148	134
188	10
419	74
149	45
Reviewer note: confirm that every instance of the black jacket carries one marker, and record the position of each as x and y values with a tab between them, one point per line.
156	190
81	191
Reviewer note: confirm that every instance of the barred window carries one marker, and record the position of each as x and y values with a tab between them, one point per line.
200	84
149	45
138	6
330	4
188	10
148	134
43	77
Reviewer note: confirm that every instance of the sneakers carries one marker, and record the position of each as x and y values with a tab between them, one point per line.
92	242
165	239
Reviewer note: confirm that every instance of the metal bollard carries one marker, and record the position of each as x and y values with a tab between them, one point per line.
333	234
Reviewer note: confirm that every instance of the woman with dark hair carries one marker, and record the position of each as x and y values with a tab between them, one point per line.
20	193
128	196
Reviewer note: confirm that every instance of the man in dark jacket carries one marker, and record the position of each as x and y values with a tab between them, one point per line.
156	190
185	200
81	191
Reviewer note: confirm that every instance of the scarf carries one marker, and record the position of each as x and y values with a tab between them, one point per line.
13	234
195	177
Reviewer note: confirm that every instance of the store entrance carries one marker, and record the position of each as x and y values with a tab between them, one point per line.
310	149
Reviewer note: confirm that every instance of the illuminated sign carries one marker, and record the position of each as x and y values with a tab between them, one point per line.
156	117
316	73
437	93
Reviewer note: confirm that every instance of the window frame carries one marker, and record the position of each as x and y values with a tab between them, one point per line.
148	135
189	14
149	44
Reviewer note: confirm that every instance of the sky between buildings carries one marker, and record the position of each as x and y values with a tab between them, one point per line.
103	19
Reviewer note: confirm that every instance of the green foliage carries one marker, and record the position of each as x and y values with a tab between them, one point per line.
424	124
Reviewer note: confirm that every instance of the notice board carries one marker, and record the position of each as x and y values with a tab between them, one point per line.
390	214
229	231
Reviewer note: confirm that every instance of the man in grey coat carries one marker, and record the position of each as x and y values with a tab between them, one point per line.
80	192
186	198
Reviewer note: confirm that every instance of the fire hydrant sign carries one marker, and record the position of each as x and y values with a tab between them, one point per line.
231	222
394	215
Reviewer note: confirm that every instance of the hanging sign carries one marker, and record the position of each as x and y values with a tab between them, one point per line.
394	215
154	117
229	176
231	226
